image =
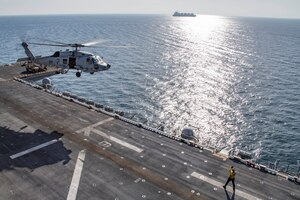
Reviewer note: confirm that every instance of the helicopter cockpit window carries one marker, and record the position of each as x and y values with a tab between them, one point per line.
56	54
89	60
96	59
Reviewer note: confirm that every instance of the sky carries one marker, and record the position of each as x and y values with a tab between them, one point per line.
253	8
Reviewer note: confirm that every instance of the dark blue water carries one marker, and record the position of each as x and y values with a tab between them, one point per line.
236	79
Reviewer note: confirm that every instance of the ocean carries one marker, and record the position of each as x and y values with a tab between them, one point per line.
235	80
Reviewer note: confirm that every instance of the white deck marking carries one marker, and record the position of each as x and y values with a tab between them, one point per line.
104	144
22	153
116	140
88	129
220	185
83	120
76	176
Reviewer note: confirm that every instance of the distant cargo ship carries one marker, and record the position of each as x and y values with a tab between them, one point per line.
179	14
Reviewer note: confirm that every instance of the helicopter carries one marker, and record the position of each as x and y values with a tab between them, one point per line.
79	60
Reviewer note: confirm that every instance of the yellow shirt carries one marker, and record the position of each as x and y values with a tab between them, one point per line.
231	173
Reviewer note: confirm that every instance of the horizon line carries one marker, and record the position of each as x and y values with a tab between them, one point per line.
70	14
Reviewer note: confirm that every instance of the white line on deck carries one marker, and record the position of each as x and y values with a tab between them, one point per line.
220	185
116	140
76	176
22	153
88	129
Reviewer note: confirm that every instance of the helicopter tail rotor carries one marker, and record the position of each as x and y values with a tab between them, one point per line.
27	51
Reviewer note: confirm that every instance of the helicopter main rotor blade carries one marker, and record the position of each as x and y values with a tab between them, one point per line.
112	46
52	41
45	44
78	45
91	43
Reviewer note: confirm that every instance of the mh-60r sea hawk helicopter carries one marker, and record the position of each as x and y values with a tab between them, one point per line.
75	59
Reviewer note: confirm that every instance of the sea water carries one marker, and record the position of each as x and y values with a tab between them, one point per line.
235	80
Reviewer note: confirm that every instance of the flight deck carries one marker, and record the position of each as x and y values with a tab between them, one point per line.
55	148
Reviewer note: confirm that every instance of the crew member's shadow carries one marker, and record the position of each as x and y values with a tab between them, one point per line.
228	196
13	142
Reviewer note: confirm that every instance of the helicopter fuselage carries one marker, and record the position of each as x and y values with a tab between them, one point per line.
83	61
76	59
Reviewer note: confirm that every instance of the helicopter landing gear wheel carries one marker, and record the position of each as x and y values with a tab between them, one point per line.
78	74
91	72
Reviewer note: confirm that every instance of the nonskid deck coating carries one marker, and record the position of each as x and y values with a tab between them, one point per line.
121	161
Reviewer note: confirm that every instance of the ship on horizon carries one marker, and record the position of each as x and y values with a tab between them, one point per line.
179	14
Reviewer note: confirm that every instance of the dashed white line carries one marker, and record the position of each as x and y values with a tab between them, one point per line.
116	140
76	176
22	153
137	180
83	120
220	185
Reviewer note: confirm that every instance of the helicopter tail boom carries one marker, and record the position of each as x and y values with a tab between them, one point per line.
27	51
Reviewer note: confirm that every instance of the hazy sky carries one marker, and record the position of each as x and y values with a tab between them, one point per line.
259	8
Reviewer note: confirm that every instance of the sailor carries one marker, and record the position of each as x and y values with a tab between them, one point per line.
230	178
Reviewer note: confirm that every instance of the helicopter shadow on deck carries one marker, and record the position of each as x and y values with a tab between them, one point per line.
13	142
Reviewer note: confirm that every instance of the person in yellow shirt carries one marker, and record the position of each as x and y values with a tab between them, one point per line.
230	178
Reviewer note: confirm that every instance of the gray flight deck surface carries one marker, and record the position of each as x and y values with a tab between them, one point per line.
52	148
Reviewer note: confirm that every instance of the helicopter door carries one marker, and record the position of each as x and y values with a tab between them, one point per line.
72	62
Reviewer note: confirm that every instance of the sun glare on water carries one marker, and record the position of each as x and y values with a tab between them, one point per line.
196	95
